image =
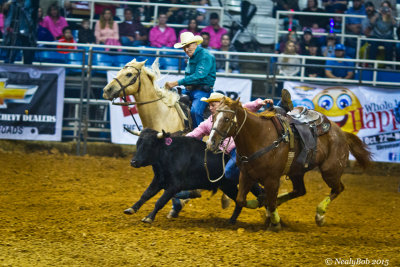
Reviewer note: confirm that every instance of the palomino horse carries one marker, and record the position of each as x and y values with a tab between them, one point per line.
256	134
158	108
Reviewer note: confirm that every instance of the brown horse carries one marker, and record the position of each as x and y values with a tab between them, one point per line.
258	132
158	108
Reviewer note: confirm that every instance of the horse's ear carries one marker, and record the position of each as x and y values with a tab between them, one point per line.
141	64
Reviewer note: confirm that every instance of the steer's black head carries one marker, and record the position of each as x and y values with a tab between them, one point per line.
147	148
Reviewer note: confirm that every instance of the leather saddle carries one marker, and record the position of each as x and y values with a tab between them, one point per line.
308	124
186	104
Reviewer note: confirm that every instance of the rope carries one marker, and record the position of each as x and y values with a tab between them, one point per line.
205	166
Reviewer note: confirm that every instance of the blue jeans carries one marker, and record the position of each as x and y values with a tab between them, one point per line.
126	42
197	106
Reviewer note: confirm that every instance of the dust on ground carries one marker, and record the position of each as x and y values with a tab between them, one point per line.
57	209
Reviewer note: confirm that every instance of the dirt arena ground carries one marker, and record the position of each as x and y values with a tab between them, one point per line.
63	210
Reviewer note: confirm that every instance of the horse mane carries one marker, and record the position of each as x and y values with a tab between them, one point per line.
170	98
266	114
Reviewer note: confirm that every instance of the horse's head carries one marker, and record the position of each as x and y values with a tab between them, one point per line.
224	122
126	82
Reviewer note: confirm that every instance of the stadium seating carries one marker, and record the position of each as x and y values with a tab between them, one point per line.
50	57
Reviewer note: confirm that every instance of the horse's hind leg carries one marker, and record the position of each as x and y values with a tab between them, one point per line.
332	179
298	189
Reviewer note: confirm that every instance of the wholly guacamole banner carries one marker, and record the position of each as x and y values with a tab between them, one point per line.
371	113
31	103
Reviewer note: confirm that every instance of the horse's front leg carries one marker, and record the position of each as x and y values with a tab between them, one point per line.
244	188
271	187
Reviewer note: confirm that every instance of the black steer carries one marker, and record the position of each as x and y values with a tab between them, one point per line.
178	164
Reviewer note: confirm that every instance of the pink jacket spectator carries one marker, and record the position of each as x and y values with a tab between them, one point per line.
186	30
204	128
158	38
102	35
55	28
215	37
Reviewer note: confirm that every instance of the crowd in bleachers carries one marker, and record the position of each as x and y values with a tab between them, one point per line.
379	23
110	29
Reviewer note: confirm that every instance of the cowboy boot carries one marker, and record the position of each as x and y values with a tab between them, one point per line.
286	100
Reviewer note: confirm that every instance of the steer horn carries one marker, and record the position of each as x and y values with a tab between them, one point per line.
134	132
160	135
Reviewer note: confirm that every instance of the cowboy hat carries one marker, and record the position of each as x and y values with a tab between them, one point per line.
188	38
213	97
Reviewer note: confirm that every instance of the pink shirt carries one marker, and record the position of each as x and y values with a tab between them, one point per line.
186	30
215	37
55	28
107	33
158	38
205	127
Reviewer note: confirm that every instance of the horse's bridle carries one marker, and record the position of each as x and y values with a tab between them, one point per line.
232	123
132	82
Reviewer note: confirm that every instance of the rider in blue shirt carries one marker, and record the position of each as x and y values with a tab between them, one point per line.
200	74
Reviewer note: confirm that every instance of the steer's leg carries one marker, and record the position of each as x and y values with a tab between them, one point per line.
166	196
230	189
150	192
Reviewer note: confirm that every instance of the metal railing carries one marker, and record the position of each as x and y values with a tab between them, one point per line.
155	12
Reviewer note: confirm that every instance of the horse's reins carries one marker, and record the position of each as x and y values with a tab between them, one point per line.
220	144
123	87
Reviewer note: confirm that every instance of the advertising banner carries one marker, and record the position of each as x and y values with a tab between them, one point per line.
31	103
120	116
373	114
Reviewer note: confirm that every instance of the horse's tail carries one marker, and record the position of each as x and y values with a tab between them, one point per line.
359	150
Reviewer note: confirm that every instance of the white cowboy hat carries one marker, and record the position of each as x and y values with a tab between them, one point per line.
188	38
213	98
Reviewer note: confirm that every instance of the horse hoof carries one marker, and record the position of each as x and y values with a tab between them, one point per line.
147	220
320	219
129	211
275	227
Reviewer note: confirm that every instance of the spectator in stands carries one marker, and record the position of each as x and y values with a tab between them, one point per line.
206	40
335	24
215	31
131	31
339	73
145	12
305	41
308	21
162	35
365	23
353	26
291	36
328	50
382	25
106	29
85	34
201	19
311	71
54	22
66	38
43	34
290	22
175	14
192	27
285	5
288	70
335	6
1	20
221	59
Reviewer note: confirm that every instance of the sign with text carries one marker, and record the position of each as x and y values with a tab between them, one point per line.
373	114
120	116
31	103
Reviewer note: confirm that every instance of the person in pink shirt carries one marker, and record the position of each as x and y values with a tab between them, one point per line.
215	31
231	170
162	35
106	29
193	27
54	22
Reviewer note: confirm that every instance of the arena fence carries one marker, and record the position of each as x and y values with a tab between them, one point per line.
87	115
